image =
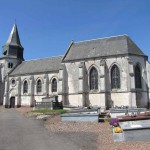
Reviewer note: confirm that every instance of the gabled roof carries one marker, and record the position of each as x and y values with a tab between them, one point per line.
13	38
38	66
104	47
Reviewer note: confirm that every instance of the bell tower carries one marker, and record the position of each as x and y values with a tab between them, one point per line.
12	56
13	47
12	53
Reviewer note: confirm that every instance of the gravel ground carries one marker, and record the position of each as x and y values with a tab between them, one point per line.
89	135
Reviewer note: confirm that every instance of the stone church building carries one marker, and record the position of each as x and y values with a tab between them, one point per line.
101	72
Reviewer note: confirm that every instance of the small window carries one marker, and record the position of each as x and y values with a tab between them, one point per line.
39	86
93	79
54	85
25	87
5	53
115	77
137	71
10	65
13	82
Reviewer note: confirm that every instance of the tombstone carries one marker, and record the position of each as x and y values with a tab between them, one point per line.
127	112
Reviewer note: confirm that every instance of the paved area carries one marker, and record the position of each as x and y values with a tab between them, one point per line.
18	132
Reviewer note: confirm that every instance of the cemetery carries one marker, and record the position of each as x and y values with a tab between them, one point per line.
123	120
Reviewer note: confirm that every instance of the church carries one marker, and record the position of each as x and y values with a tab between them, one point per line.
105	72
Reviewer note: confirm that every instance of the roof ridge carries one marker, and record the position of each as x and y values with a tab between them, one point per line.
102	38
43	58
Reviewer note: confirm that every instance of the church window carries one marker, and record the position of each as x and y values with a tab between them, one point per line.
5	52
138	77
93	79
115	77
10	65
54	85
13	81
25	87
39	86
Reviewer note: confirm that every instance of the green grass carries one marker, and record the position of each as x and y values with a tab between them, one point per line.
107	119
47	111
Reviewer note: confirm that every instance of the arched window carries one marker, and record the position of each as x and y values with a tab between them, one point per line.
25	87
10	65
93	79
138	77
115	77
54	85
39	86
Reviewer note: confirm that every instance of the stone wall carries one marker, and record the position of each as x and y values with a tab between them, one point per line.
125	95
73	84
27	99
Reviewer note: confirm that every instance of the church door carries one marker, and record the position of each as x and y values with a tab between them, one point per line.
12	102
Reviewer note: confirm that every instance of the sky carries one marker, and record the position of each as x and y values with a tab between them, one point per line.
47	27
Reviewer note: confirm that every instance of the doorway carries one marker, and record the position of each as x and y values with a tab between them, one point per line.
12	102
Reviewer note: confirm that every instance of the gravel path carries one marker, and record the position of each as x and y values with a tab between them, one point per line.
89	136
104	140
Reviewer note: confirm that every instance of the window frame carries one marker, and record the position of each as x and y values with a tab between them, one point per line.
10	65
25	87
93	79
138	77
54	85
39	86
115	78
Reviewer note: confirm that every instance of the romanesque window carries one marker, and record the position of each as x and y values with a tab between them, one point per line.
138	77
39	86
10	65
54	85
93	79
25	87
13	82
115	77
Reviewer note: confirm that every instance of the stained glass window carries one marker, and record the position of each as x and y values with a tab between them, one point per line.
115	77
93	79
138	77
25	87
39	86
54	85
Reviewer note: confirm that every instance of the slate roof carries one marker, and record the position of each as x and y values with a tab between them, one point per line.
38	66
13	38
104	47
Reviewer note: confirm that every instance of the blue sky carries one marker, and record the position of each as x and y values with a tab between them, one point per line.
46	27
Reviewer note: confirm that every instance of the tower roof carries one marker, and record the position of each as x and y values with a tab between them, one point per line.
14	37
13	47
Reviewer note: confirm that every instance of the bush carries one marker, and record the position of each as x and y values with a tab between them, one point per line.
114	122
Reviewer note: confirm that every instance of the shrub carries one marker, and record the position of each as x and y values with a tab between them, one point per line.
114	122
